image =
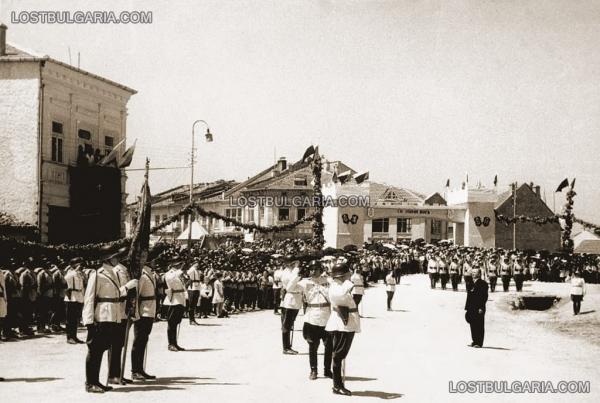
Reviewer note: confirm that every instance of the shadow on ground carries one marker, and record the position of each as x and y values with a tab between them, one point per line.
380	395
171	383
29	380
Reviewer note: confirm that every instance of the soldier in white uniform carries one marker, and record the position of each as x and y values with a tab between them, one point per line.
432	269
315	290
102	315
117	348
290	305
74	299
145	314
343	323
175	301
277	286
193	292
359	286
505	273
390	289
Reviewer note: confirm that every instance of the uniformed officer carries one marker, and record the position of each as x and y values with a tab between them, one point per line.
145	314
58	298
277	286
315	290
467	275
359	285
390	289
454	274
492	272
443	271
290	305
505	273
518	274
193	290
119	341
102	315
3	303
343	323
432	270
44	297
175	301
28	296
74	299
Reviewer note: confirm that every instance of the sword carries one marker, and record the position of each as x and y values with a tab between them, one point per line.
344	371
124	356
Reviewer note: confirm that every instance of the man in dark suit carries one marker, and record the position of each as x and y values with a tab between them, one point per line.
477	296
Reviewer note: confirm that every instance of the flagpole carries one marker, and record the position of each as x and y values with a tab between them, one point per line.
514	216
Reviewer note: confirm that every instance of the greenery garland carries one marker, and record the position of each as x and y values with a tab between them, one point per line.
522	218
567	242
9	223
318	239
586	224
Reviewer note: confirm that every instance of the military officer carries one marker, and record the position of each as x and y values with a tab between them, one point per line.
359	285
454	274
117	348
432	270
492	272
175	300
315	291
277	286
518	275
443	271
505	273
193	290
102	315
74	299
343	322
145	314
44	297
58	296
390	289
290	305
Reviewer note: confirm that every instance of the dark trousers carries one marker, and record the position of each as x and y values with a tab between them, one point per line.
454	280
99	339
73	314
493	280
476	321
313	335
276	299
433	278
444	280
357	298
341	343
193	296
576	303
43	311
141	332
117	347
205	306
505	282
174	316
58	311
390	295
10	321
469	282
519	281
288	317
397	275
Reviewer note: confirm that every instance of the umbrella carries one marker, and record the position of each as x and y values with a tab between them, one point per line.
389	246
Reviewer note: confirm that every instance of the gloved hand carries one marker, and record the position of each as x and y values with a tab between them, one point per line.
131	284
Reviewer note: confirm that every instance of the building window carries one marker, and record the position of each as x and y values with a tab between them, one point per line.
300	181
156	219
404	226
261	215
234	214
57	127
301	213
185	221
283	214
109	143
436	227
164	217
381	226
57	149
84	134
250	215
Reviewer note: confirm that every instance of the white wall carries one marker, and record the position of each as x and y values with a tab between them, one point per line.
19	114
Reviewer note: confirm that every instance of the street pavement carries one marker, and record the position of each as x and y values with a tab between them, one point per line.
407	355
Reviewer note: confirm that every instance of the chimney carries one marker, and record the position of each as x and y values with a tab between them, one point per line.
3	39
281	164
536	189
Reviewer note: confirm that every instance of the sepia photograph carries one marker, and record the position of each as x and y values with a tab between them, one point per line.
300	201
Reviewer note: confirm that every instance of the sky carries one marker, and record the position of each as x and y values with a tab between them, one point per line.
416	92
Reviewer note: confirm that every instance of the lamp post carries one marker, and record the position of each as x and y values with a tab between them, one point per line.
209	138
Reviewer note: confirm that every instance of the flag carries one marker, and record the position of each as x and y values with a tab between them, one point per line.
112	155
362	177
448	183
496	180
563	185
309	151
334	179
141	234
127	156
573	183
467	178
345	176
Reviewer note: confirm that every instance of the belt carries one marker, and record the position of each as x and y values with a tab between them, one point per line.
349	310
321	305
122	299
293	292
150	298
109	300
176	291
195	281
74	289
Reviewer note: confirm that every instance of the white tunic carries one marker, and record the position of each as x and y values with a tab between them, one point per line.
194	275
218	292
3	297
293	292
577	286
147	294
102	297
74	280
176	294
359	284
390	283
318	308
339	295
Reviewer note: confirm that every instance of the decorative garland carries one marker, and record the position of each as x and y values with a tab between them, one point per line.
522	218
567	242
318	239
9	222
586	224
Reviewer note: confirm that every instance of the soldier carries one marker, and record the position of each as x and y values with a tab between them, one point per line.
193	292
432	270
505	273
145	314
467	268
175	301
390	288
74	299
277	287
518	274
359	285
454	274
3	300
114	372
290	305
102	315
12	295
343	323
315	291
28	287
44	297
443	272
58	297
492	272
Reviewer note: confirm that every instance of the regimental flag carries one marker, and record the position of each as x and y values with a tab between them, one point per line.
345	176
309	152
573	183
334	178
141	234
563	185
496	180
112	155
127	156
448	183
362	177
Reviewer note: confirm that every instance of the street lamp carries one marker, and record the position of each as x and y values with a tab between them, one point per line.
209	139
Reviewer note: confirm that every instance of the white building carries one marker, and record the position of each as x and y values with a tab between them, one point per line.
48	111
